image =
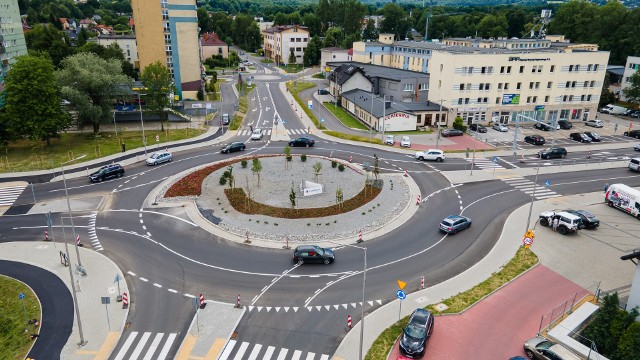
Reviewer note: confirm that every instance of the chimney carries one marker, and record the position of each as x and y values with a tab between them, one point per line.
387	104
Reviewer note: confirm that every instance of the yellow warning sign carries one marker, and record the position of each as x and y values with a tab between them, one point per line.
401	284
529	234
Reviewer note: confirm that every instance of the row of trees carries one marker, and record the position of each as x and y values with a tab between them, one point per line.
48	11
241	30
35	89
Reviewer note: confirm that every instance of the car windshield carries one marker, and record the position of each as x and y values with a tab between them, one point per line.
155	156
414	331
257	131
544	345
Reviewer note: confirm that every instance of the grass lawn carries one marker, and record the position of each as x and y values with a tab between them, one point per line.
292	68
14	342
27	155
318	75
345	118
266	61
523	260
243	106
360	138
410	132
295	90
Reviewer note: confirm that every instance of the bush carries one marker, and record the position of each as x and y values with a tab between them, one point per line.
303	157
341	167
243	163
289	157
334	164
458	124
223	180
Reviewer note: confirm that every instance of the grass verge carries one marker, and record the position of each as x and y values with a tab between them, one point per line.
345	118
292	68
14	341
243	105
27	155
318	75
266	61
523	260
351	137
295	90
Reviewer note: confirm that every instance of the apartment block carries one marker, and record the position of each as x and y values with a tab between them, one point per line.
630	68
483	80
126	42
12	43
167	31
279	40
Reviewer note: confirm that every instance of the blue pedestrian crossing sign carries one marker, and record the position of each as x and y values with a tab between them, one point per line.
547	183
21	296
495	159
321	119
401	295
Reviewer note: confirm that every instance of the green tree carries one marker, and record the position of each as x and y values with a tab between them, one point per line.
629	344
90	83
82	37
632	93
605	328
256	168
493	26
157	82
33	99
32	16
292	56
395	21
370	32
312	21
606	96
204	21
245	32
48	39
458	123
333	37
312	52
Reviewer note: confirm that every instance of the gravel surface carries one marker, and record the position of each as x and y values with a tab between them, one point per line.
275	185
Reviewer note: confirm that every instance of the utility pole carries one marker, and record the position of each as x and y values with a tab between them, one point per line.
426	30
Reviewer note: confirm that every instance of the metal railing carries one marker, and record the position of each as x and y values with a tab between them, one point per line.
550	318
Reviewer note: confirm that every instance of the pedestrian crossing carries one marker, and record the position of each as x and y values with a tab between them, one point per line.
153	351
267	132
258	351
527	187
8	195
484	164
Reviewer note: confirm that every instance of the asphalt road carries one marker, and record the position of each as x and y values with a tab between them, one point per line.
57	307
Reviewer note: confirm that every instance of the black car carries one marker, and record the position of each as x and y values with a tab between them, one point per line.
233	147
477	127
534	139
416	333
580	137
542	126
313	254
302	141
551	153
633	133
323	92
452	132
589	220
593	136
565	124
635	114
107	172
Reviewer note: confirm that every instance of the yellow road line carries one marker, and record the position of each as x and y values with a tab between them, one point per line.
216	349
187	346
107	346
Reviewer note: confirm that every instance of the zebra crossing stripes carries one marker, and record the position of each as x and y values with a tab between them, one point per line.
248	352
485	164
141	346
9	194
92	232
247	132
530	188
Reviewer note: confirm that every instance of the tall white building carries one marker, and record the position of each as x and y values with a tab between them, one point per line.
279	40
495	80
12	43
630	68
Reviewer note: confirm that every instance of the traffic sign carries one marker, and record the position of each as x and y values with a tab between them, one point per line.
495	159
157	138
401	295
21	296
401	284
527	242
547	183
529	234
321	119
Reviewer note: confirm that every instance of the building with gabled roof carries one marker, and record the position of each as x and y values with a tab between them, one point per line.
210	45
279	40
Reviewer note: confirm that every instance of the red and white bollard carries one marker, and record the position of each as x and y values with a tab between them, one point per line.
406	173
589	155
418	200
421	282
202	303
360	236
350	158
46	235
78	240
125	300
348	322
238	302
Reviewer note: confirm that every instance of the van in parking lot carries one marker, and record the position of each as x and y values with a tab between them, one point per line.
624	198
613	109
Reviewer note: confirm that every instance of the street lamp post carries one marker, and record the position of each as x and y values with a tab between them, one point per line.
473	159
535	184
439	120
73	285
364	281
66	192
144	140
384	113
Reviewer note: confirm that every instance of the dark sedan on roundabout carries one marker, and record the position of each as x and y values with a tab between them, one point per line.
302	141
534	139
305	254
233	147
454	223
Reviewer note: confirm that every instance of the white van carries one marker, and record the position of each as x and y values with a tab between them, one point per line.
624	198
613	109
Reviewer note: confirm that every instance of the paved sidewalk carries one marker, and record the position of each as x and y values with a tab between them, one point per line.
100	335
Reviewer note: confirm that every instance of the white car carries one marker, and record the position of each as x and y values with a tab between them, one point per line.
389	140
637	147
159	157
431	155
500	127
256	134
405	142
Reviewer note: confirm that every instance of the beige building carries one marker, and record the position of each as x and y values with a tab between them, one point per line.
126	42
211	45
278	40
630	68
495	80
167	31
333	54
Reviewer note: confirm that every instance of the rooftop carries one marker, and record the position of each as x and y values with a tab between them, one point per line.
281	28
379	71
376	106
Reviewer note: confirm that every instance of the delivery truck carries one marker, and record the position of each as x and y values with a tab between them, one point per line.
613	109
625	198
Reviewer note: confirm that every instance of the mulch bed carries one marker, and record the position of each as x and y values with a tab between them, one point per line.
239	201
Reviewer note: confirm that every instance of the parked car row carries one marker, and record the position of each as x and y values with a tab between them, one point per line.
632	113
569	221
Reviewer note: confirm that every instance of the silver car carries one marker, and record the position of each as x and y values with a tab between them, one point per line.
256	134
500	127
159	158
543	349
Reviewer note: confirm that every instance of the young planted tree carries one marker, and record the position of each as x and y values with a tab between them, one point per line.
317	168
157	82
256	167
287	156
376	166
248	197
292	57
339	197
32	107
632	93
230	177
292	197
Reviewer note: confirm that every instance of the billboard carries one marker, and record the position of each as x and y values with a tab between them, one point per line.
510	99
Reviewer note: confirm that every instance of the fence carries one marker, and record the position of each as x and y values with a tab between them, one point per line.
566	307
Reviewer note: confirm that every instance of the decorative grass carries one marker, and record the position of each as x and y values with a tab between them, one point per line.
241	203
295	90
345	117
318	76
14	341
352	137
523	260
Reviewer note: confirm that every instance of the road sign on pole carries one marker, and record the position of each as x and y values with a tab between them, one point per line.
547	183
529	234
106	301
401	284
527	242
401	295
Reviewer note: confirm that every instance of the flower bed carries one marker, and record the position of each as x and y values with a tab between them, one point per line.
241	203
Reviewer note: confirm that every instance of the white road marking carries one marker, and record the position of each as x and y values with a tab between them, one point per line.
154	346
127	344
157	285
166	347
141	344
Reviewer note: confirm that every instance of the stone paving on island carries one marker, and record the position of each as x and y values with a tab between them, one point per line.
275	186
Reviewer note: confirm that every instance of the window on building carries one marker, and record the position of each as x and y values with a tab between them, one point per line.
570	68
479	100
459	101
518	86
483	70
576	67
506	86
589	67
528	99
485	100
535	99
546	99
570	98
593	83
498	100
521	69
595	67
466	100
487	86
470	70
490	70
499	86
553	69
588	97
461	87
567	84
530	85
508	69
408	87
573	84
564	98
481	86
582	97
501	69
